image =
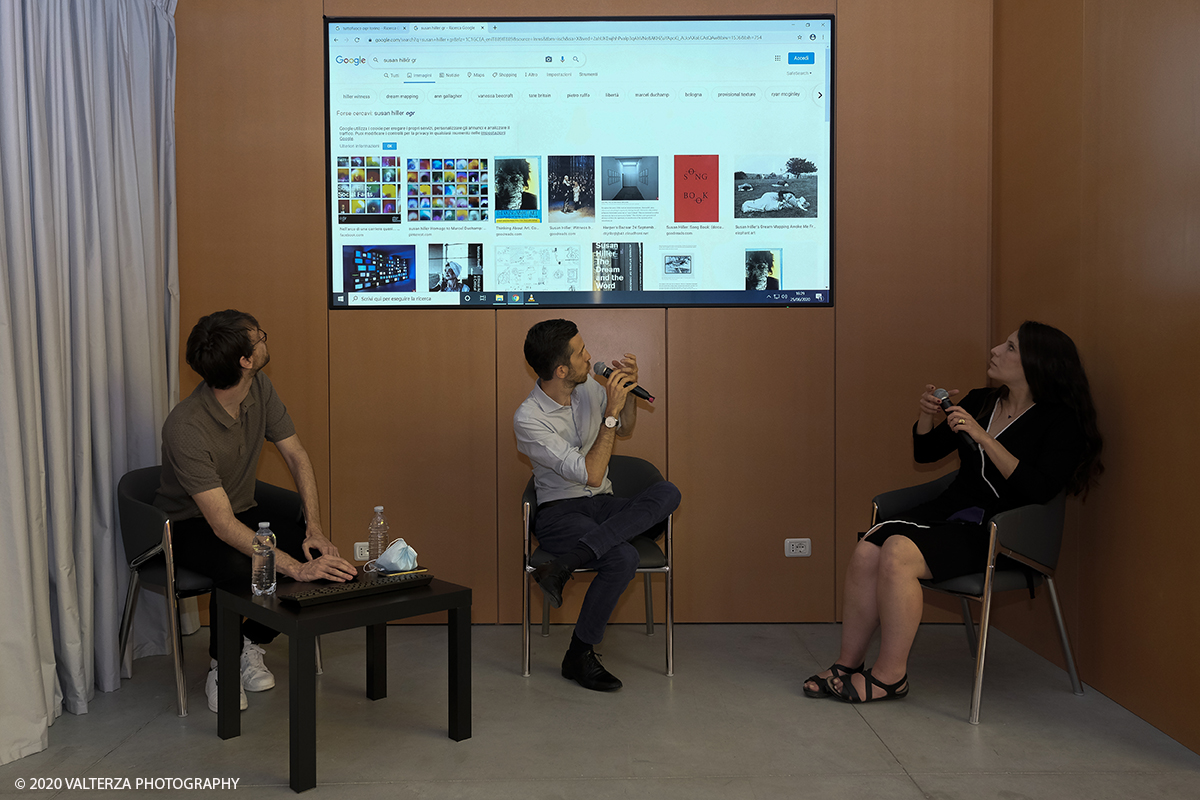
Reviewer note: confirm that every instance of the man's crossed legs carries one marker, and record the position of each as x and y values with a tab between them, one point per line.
595	533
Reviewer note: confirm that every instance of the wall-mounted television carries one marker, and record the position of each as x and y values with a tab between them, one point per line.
666	162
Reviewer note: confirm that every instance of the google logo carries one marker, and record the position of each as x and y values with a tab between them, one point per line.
355	61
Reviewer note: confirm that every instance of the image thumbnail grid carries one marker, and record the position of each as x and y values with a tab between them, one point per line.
368	184
446	189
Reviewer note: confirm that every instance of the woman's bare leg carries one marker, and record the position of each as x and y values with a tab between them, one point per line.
860	603
900	604
860	614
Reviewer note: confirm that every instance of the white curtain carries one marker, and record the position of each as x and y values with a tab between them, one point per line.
88	307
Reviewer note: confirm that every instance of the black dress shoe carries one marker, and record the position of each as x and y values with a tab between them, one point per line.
585	669
551	576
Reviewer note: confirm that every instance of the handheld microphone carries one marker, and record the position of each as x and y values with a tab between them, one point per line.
944	396
604	370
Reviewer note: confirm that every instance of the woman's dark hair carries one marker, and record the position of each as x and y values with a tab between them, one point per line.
1055	375
217	344
548	345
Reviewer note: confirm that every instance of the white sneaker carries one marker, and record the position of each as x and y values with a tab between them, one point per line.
255	675
210	689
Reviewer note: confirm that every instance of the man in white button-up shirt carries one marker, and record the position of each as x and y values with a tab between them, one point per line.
568	426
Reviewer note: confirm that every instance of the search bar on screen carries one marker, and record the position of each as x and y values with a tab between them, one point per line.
477	59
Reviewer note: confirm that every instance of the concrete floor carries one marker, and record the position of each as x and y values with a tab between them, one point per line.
732	723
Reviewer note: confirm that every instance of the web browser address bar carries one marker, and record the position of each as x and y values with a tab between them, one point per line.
477	59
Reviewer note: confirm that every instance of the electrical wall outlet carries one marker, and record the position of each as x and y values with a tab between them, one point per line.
362	551
797	548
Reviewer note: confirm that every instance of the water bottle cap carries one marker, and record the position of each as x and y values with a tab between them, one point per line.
262	525
378	509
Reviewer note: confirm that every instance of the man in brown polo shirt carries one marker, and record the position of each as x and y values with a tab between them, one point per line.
211	444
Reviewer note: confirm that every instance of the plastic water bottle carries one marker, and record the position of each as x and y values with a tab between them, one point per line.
377	534
262	563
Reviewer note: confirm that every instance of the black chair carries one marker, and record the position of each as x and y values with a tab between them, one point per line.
629	476
146	532
1030	535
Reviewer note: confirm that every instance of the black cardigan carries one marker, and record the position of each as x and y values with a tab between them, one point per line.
1047	440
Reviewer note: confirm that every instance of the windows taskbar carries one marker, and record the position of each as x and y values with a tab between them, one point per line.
498	299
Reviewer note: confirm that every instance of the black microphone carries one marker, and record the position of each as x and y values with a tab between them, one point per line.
604	370
944	396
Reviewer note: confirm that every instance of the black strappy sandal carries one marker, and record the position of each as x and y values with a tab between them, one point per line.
848	694
839	670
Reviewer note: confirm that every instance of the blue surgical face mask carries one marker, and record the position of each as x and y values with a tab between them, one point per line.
398	557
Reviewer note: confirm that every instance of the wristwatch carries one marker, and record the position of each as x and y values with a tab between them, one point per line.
610	422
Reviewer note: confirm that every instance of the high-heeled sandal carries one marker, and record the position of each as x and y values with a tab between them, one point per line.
838	671
848	694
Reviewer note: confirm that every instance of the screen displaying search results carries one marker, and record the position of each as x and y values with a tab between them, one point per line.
570	163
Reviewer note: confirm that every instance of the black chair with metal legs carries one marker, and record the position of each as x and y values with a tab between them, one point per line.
1030	535
629	476
146	533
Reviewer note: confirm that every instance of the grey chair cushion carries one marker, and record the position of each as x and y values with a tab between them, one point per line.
1002	581
650	555
187	583
630	476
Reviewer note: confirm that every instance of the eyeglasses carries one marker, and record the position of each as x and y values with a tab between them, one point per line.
260	341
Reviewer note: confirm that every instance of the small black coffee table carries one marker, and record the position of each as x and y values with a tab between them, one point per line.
303	625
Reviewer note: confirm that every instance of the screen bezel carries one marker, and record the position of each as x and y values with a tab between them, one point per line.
831	203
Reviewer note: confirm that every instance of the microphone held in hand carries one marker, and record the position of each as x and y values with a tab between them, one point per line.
944	396
604	370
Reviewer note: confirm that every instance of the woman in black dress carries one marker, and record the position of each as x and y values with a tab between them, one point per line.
1033	435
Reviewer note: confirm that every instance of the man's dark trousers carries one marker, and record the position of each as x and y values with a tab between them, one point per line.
198	548
606	524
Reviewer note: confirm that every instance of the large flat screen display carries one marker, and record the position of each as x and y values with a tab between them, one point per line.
581	162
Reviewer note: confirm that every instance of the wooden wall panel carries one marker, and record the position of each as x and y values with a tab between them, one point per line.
1096	215
1141	153
912	283
412	428
250	178
750	442
1037	270
1038	124
608	334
